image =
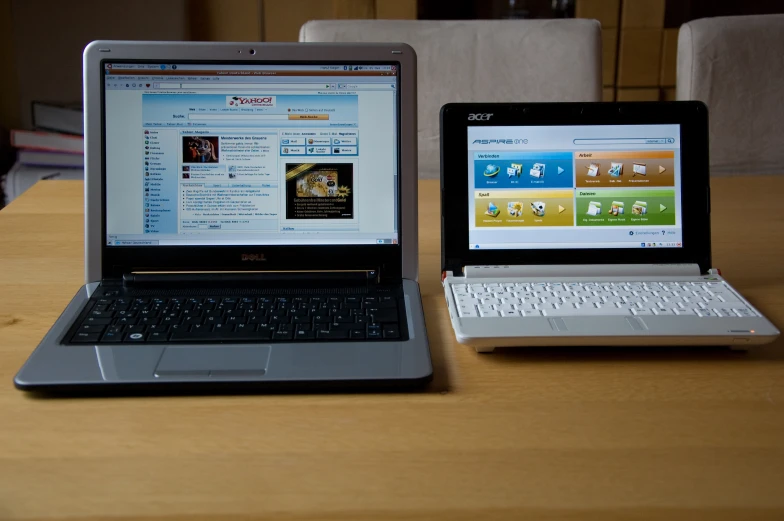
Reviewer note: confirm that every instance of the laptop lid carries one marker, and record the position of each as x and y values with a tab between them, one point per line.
575	183
273	157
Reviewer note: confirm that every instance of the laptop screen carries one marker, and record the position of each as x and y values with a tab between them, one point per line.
574	187
248	154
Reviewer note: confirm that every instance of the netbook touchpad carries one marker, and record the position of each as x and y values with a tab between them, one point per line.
213	361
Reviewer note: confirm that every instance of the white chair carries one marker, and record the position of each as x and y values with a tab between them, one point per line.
482	61
735	65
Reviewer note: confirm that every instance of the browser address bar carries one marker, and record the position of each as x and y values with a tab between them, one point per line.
626	141
248	86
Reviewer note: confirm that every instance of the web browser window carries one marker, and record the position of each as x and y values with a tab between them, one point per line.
573	187
212	154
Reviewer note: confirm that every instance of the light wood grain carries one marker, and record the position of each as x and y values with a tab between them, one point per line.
544	434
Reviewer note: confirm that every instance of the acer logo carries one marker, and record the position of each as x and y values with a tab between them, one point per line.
256	257
493	142
480	117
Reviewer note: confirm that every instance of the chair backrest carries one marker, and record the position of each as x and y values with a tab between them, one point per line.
735	65
482	61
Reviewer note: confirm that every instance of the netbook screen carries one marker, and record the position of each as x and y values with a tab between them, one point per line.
570	187
235	154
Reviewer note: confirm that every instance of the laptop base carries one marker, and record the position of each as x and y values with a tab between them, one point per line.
151	368
567	328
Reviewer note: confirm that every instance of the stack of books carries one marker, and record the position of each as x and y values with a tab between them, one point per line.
54	151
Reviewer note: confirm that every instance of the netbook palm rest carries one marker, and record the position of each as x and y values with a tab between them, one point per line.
584	224
250	223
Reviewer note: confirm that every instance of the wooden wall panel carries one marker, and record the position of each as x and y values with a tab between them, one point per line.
353	9
283	18
48	40
225	20
396	9
9	93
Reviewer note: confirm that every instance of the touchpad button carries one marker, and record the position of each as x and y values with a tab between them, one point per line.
215	361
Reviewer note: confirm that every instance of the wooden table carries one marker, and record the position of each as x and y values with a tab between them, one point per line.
543	434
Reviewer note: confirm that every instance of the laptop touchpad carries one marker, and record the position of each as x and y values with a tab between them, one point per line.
214	361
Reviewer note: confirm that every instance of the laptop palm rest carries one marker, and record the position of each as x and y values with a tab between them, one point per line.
214	361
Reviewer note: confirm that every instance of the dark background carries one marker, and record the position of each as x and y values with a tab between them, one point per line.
678	12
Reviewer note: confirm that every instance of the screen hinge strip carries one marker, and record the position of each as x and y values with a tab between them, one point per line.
582	270
347	277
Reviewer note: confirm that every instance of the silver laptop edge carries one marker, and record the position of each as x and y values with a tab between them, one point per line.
60	367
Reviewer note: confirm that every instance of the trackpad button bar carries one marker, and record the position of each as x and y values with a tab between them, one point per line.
213	361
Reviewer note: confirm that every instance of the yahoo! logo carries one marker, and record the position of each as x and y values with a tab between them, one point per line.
250	101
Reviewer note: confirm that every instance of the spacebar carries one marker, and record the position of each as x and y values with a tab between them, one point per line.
588	312
207	336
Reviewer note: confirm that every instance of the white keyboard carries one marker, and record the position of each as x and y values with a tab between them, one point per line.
528	299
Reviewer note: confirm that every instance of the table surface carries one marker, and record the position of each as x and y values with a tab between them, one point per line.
577	434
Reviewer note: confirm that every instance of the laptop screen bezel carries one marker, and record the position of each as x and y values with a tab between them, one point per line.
117	260
693	120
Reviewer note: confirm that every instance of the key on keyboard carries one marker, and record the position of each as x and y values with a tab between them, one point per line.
239	319
512	300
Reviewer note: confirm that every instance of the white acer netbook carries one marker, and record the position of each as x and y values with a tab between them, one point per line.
584	224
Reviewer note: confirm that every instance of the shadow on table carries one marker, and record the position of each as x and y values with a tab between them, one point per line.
686	354
440	353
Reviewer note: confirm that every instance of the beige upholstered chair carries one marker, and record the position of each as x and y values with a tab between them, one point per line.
735	65
482	60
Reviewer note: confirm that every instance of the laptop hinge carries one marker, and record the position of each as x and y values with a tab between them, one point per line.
582	270
253	278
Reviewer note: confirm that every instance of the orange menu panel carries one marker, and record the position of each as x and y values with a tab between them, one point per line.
625	169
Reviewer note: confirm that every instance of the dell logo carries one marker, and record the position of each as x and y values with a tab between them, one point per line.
479	117
253	257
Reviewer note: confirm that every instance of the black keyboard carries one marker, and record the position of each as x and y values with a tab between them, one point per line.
238	319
